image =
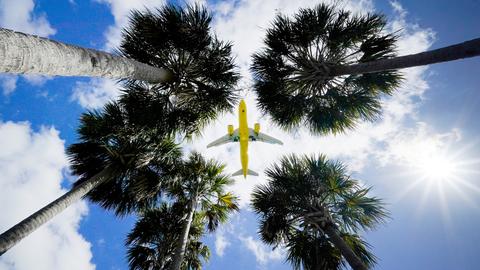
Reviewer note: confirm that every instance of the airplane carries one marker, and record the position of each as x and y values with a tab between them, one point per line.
243	134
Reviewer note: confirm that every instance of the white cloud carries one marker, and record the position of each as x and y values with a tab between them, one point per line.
120	10
18	15
9	83
413	146
101	242
263	253
357	147
414	39
36	80
31	166
244	22
95	93
236	233
221	243
397	8
196	2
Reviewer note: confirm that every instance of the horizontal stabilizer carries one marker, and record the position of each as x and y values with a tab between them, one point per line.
249	172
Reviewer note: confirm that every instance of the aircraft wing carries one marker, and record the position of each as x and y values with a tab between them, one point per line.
225	139
262	137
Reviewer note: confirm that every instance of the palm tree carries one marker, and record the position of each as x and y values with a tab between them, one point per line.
113	172
326	69
313	208
202	67
151	242
168	44
24	53
201	187
120	167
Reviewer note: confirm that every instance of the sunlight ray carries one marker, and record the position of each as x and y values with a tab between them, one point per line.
423	198
405	191
468	185
444	209
453	185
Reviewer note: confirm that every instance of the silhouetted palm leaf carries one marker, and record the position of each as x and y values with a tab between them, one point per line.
206	179
181	41
200	185
151	242
298	187
292	74
143	160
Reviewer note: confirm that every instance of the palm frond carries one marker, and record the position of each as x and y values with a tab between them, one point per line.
142	161
181	41
361	248
308	251
300	192
151	242
292	74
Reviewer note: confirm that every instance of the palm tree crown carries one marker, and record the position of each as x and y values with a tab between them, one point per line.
201	186
292	75
180	40
143	161
204	181
303	197
151	242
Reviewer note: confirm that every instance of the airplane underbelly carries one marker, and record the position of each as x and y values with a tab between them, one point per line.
244	154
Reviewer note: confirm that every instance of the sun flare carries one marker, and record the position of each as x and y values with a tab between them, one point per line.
430	158
437	168
440	170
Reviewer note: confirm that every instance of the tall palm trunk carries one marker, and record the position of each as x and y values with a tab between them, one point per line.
16	233
23	53
183	239
466	49
322	220
345	250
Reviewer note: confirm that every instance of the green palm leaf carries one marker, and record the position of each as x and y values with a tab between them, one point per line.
200	185
295	206
202	67
292	74
151	242
143	160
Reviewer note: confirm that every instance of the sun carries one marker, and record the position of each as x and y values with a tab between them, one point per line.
430	159
437	167
439	170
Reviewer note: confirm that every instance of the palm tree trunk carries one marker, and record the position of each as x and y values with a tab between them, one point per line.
183	239
345	250
16	233
23	53
466	49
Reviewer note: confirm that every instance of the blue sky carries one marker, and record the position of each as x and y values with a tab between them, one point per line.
432	118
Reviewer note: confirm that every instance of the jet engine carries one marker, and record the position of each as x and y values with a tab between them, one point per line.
230	130
256	128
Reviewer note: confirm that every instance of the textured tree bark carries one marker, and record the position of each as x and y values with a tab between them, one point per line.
466	49
16	233
183	239
23	53
345	250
